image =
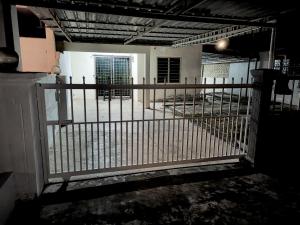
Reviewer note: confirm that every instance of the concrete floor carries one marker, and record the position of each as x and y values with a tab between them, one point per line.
221	195
131	145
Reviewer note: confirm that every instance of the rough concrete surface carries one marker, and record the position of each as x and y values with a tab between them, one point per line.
236	198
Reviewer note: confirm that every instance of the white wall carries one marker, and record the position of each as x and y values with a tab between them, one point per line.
65	64
79	64
141	71
134	72
237	71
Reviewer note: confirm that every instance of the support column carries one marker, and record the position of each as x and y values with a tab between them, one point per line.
21	151
261	99
272	49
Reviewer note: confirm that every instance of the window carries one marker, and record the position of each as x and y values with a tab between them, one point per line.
168	69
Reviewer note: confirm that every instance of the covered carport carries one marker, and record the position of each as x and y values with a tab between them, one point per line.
141	27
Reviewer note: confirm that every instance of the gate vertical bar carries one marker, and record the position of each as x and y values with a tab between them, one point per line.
73	130
164	118
97	117
143	118
132	118
59	127
121	125
173	139
193	117
237	118
183	122
221	113
85	126
153	121
109	121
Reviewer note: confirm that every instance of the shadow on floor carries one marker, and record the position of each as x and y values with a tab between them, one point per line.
232	196
139	182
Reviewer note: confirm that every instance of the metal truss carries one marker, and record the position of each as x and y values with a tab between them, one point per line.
215	35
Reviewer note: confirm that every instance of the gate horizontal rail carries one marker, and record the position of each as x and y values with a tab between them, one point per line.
183	163
186	123
144	86
66	122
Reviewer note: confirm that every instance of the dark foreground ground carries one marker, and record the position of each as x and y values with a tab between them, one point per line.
190	196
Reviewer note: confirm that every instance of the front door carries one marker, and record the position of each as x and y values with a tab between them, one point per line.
115	68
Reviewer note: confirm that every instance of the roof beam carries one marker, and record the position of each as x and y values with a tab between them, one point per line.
108	34
114	9
97	30
122	25
226	32
59	24
155	35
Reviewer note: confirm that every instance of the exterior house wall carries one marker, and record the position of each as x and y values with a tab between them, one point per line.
190	65
65	64
145	63
237	71
83	64
38	54
141	71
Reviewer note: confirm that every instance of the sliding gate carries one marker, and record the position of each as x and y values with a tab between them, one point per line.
184	124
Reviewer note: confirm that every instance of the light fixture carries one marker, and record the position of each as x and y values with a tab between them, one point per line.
222	44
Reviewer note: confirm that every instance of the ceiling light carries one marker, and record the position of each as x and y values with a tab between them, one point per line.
222	44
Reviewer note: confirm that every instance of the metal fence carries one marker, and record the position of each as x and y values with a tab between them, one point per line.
286	93
185	123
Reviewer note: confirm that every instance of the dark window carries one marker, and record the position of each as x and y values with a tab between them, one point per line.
168	69
174	70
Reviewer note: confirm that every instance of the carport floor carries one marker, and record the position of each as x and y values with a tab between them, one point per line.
193	198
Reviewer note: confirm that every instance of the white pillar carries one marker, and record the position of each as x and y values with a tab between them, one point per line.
21	151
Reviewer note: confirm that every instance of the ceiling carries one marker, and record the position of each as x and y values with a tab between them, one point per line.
152	22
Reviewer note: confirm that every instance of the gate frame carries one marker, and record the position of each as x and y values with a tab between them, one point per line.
42	118
40	92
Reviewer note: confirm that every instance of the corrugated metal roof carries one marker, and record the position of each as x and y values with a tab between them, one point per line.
121	19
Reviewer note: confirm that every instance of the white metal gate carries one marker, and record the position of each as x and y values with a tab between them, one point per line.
186	123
